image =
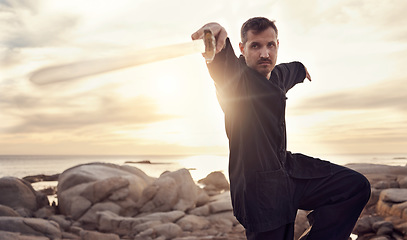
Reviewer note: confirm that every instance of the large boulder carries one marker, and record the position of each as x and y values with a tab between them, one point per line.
381	176
20	196
85	189
215	182
17	236
171	191
393	202
8	211
111	222
30	227
193	223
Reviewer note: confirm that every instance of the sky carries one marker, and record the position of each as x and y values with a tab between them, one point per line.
355	51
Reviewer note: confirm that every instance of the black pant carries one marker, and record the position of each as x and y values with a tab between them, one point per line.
336	202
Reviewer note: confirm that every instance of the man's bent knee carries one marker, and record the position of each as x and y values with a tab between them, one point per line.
362	187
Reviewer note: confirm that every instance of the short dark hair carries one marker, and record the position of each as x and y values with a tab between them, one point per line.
258	25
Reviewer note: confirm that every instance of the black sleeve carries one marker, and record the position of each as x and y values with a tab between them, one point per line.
291	74
225	68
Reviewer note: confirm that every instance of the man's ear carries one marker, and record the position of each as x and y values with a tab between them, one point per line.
241	47
278	43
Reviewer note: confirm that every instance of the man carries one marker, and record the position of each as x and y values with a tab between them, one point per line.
268	184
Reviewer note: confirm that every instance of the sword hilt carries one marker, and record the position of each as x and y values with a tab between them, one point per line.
210	45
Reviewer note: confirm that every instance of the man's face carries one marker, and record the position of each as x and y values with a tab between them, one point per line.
260	51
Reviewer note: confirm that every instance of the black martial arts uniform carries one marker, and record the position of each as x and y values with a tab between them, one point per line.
268	184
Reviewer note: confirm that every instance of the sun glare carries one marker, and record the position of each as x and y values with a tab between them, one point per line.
166	86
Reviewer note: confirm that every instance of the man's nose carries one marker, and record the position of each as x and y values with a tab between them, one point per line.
264	53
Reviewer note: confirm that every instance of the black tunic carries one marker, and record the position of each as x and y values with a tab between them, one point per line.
260	168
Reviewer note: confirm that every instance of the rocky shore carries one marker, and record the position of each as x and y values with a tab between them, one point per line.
111	202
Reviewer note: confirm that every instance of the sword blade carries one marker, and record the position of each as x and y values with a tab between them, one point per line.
79	69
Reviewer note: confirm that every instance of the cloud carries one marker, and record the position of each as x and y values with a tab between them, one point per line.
365	119
11	5
385	18
35	114
390	94
26	25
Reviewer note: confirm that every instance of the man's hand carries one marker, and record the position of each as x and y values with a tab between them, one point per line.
307	74
217	30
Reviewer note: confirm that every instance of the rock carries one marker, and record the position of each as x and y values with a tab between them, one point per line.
402	181
20	196
89	219
161	196
200	211
45	212
394	220
402	228
17	236
203	197
41	177
386	184
145	226
220	206
62	221
382	228
193	223
168	230
224	222
172	216
365	225
383	208
6	211
189	238
111	222
81	187
75	230
366	168
92	235
68	235
212	190
145	234
374	197
301	223
98	171
102	189
162	231
171	191
224	196
216	179
398	210
380	238
30	226
71	203
397	236
393	202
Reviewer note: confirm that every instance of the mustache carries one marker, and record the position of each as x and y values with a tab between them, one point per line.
264	60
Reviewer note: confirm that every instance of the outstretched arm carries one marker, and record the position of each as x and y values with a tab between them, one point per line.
217	30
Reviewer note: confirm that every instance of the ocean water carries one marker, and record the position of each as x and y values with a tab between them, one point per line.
25	165
199	165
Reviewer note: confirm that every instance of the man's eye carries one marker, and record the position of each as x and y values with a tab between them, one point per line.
255	46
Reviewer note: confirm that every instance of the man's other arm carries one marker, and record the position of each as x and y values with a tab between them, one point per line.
293	73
